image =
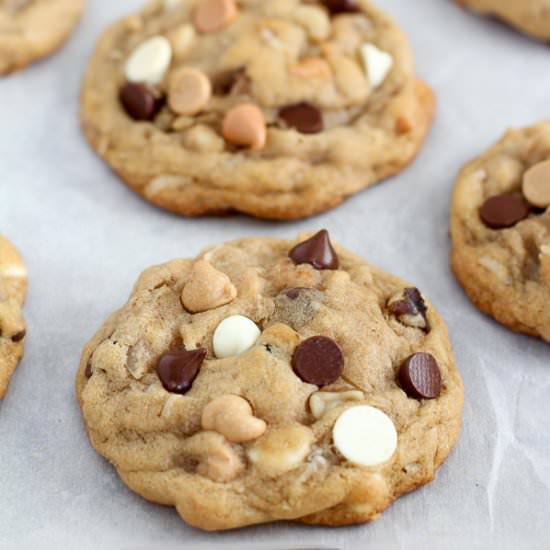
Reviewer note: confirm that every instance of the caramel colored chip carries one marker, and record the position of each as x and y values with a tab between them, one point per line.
215	15
189	92
245	125
536	184
313	68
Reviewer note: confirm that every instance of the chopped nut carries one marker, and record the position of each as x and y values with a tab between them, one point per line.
409	308
322	402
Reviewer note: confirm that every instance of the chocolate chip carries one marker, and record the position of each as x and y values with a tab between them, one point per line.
139	102
318	360
178	369
89	371
317	251
341	6
410	309
503	211
18	336
303	117
419	376
293	293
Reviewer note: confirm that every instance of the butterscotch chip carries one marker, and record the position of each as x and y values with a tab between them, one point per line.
190	91
499	227
536	184
214	15
245	125
13	287
221	414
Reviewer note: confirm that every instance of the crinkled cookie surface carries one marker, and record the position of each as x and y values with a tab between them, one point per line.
530	16
32	29
500	225
272	380
276	108
13	287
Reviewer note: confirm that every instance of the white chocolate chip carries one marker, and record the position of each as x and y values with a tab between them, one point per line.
323	401
234	335
149	62
282	449
377	64
365	436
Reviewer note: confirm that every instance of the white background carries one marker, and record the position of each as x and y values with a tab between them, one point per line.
86	237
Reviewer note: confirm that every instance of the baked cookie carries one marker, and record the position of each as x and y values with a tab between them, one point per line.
500	226
13	287
32	29
529	16
277	108
272	380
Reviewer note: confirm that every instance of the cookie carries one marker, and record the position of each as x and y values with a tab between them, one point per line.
500	227
529	16
33	29
276	108
272	380
13	287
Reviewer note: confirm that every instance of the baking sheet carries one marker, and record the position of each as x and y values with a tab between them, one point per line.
86	237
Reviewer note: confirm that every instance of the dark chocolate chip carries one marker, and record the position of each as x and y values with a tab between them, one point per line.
341	6
503	211
411	304
318	360
18	336
304	117
89	371
317	251
139	102
178	369
420	377
293	293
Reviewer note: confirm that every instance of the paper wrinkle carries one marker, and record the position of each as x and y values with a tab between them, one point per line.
85	238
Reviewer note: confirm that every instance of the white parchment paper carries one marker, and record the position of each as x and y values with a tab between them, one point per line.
86	237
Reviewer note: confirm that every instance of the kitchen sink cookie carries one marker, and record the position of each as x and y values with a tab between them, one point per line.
13	287
276	108
500	226
32	29
529	16
272	380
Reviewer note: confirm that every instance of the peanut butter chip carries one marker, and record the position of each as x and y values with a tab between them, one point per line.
207	289
189	92
312	67
536	184
214	15
245	125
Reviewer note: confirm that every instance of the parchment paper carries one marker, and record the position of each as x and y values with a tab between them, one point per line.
86	237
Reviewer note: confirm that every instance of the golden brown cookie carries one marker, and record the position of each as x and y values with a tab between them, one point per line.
305	385
529	16
32	29
500	226
276	108
13	287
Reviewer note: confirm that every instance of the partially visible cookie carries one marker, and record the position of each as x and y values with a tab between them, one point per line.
529	16
276	108
32	29
500	227
13	287
272	380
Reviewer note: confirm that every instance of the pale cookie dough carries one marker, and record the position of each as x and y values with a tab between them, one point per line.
276	108
529	16
13	287
32	29
500	226
234	415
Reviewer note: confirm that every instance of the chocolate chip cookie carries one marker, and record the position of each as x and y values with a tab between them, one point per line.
13	287
529	16
500	226
32	29
272	380
276	108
